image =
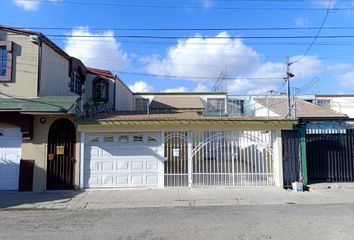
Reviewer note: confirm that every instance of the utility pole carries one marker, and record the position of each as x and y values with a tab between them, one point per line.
289	75
288	85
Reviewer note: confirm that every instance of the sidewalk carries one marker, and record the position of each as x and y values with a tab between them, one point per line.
171	197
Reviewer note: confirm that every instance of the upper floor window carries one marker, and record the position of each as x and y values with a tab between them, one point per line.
5	61
100	89
324	103
141	105
76	83
216	105
235	107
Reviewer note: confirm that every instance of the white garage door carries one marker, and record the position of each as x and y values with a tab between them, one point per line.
123	160
10	154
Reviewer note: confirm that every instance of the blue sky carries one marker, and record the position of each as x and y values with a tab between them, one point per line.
95	34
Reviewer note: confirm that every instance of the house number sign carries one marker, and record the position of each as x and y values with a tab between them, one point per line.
175	152
60	150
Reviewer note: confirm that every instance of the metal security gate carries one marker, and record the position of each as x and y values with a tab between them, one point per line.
219	158
61	155
291	156
330	154
176	159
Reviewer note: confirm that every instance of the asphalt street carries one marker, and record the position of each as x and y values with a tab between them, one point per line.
292	221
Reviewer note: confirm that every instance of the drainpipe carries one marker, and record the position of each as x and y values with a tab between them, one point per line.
115	92
39	66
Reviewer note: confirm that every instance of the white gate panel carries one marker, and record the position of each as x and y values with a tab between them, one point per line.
127	160
10	155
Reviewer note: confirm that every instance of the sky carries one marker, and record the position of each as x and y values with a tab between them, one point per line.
185	45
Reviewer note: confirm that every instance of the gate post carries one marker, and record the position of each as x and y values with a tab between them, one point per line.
303	154
82	159
190	165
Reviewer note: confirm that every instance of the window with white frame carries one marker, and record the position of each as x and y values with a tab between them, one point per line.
76	83
216	105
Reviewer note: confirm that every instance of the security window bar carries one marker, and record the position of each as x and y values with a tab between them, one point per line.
100	90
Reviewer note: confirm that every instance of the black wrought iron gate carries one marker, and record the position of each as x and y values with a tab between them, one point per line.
61	155
330	155
291	156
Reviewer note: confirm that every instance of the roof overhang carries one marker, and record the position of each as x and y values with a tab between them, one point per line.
185	122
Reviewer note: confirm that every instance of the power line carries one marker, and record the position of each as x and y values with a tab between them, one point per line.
108	4
192	29
195	77
192	37
315	38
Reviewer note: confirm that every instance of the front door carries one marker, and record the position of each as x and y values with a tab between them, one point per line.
61	155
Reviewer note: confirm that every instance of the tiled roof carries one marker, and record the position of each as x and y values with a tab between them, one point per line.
304	109
176	102
41	104
102	72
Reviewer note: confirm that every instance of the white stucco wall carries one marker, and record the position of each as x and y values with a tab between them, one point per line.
124	97
341	104
262	111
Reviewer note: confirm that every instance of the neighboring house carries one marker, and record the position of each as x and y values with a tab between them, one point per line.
43	91
301	109
320	148
39	86
180	139
343	103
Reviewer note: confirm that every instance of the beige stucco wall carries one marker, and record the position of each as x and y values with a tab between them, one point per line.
24	67
54	73
36	149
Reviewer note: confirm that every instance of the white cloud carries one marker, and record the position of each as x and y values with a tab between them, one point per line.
324	3
205	57
100	50
30	6
179	89
268	76
308	66
346	79
141	86
201	88
302	22
208	3
190	57
340	67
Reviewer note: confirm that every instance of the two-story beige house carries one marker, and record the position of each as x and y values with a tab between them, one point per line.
42	91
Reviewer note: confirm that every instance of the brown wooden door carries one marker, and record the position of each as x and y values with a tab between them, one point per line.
61	155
